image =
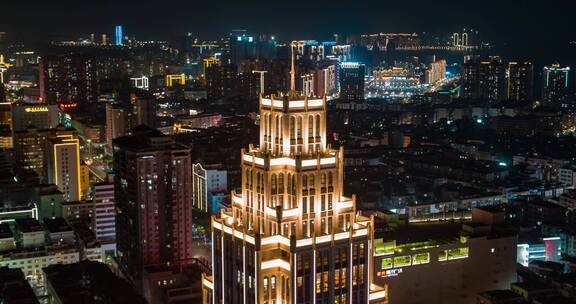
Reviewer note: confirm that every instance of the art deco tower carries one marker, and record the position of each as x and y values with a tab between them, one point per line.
291	236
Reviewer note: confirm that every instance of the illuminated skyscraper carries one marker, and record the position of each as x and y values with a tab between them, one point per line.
352	81
36	115
153	193
69	80
555	83
484	79
291	236
520	81
31	148
63	165
118	32
119	122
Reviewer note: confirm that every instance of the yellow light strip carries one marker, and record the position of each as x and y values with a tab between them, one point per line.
276	239
377	295
208	284
276	263
283	161
327	161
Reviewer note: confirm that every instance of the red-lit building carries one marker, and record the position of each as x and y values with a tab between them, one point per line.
153	194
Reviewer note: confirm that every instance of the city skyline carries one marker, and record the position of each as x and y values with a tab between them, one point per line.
247	152
506	22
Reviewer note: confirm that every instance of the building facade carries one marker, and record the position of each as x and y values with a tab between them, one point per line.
291	236
207	181
484	79
153	201
63	166
352	81
37	115
520	81
68	80
555	83
104	212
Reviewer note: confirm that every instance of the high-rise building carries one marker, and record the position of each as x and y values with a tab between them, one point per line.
63	165
153	192
104	215
352	81
555	83
144	109
104	211
119	122
37	115
325	80
31	149
221	80
242	46
119	35
68	80
207	181
291	236
435	72
520	81
484	79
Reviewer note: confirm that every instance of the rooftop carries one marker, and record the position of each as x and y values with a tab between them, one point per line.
57	225
28	225
423	232
82	282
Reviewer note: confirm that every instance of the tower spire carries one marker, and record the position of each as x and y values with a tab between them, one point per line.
293	70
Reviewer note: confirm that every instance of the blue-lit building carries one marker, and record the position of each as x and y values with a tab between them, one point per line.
119	35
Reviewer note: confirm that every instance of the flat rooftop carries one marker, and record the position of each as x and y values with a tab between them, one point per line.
422	232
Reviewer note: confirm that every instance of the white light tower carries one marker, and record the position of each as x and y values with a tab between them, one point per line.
261	80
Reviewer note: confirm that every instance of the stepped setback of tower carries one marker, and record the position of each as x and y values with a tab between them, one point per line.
291	236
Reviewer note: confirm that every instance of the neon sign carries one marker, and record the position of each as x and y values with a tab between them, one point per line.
36	109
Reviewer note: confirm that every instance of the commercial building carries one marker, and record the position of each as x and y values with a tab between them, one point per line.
446	262
36	115
520	81
291	236
153	193
555	83
352	81
63	165
31	148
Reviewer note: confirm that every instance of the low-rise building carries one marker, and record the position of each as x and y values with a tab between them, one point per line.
446	262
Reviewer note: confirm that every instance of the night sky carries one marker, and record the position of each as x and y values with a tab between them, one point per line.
512	21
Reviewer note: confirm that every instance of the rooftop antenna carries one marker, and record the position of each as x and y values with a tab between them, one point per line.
293	70
261	80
